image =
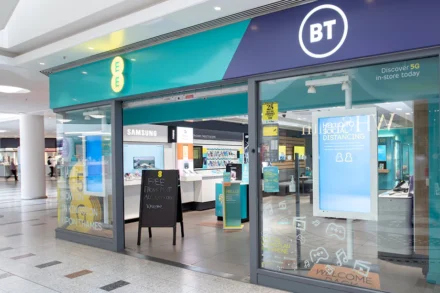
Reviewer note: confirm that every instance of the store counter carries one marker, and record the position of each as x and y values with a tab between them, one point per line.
244	200
395	226
199	189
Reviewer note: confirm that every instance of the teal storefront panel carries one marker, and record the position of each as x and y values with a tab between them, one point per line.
192	60
220	106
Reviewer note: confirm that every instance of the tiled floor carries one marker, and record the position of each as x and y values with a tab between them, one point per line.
32	260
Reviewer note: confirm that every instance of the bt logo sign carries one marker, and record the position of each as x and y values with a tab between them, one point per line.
323	31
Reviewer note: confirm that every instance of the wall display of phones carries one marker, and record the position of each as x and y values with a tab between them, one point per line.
219	157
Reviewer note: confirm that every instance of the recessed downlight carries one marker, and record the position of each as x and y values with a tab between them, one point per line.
97	116
13	90
91	48
64	120
2	131
84	72
133	59
217	8
398	109
42	63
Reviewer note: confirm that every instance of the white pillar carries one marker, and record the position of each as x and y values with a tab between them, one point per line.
32	166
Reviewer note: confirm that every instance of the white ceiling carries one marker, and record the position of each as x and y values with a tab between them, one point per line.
6	11
40	34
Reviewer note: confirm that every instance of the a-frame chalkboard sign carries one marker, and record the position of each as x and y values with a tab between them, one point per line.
161	202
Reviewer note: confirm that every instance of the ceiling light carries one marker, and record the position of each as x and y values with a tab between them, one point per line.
81	136
91	48
64	120
84	72
311	90
133	59
345	86
97	116
407	113
8	117
2	131
13	90
217	8
398	109
42	63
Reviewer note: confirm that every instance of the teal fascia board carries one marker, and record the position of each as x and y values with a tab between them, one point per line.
215	107
192	60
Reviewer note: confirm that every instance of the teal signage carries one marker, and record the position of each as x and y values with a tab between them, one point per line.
232	206
196	59
271	179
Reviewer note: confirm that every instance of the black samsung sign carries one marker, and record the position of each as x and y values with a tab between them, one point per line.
161	203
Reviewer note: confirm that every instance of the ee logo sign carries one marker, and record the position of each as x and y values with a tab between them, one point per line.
321	32
117	69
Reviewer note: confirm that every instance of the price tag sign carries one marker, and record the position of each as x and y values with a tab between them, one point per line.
270	112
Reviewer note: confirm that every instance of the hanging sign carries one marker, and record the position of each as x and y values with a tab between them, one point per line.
345	172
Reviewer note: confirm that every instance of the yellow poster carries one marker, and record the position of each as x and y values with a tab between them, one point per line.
271	130
270	112
282	153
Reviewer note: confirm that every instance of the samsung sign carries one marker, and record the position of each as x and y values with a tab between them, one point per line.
141	132
146	133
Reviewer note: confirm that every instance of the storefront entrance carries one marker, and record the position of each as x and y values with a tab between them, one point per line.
343	147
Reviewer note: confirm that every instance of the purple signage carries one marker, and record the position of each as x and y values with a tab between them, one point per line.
334	30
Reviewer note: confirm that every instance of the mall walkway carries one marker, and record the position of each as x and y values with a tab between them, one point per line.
32	260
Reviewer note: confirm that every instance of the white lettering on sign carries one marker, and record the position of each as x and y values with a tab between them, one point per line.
317	31
141	132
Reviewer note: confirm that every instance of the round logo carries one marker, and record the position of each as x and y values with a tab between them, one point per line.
317	30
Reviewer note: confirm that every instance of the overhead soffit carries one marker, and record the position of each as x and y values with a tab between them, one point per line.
258	11
7	8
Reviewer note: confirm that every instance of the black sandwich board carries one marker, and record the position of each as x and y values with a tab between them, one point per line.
161	201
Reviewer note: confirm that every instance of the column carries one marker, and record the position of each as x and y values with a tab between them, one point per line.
32	167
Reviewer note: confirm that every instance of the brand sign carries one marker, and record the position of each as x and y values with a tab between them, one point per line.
204	134
146	133
185	135
333	30
324	30
117	68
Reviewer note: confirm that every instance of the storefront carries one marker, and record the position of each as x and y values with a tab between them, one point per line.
359	81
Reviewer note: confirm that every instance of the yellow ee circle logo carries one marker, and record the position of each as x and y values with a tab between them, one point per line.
117	69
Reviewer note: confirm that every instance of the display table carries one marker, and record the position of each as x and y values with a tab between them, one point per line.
244	199
395	226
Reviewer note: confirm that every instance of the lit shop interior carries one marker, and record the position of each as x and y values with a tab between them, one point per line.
358	207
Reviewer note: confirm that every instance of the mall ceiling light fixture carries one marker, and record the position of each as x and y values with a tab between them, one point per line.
13	90
4	117
217	8
311	90
84	72
64	120
133	59
398	109
2	131
42	63
91	48
97	116
407	113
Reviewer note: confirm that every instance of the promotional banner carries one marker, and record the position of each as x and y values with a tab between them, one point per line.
232	207
345	174
271	179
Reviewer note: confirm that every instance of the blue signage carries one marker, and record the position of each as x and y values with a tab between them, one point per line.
345	156
382	152
271	179
94	181
334	30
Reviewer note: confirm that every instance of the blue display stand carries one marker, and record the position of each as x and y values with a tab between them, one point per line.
244	202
